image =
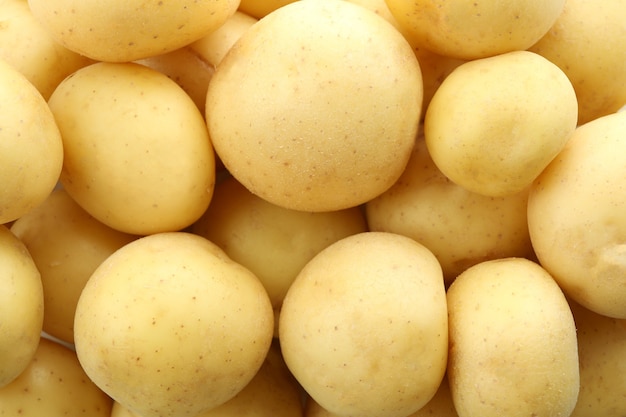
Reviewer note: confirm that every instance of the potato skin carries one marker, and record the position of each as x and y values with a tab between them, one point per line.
513	348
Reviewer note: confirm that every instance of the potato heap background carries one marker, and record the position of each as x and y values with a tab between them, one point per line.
312	208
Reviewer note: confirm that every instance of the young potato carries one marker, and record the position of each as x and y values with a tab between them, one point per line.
577	216
21	307
31	149
137	152
602	353
588	42
316	107
272	393
261	8
53	384
128	30
271	241
363	327
460	227
513	348
472	30
495	123
30	49
67	245
168	326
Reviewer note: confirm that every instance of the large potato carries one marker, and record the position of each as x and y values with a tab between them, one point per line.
472	29
21	307
588	42
316	107
137	152
577	216
67	245
364	326
460	227
53	384
126	30
31	150
495	123
170	326
513	348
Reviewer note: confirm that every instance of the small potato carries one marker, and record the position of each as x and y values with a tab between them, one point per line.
170	326
577	216
67	245
128	30
316	107
363	327
31	149
53	384
513	348
137	152
588	42
495	123
460	227
472	29
21	307
602	353
30	49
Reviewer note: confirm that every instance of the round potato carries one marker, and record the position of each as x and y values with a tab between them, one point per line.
472	29
316	107
67	245
21	307
127	30
513	348
495	123
460	227
53	384
577	216
363	327
31	149
588	42
137	152
170	326
271	241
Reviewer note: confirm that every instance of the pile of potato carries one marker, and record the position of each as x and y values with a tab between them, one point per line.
350	208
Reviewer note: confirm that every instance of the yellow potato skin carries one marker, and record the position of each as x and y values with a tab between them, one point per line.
21	306
31	149
513	347
169	325
54	384
363	327
577	216
495	123
127	30
137	152
282	123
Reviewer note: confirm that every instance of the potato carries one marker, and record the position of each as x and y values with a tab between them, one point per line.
577	216
67	245
602	353
53	384
137	153
316	107
513	349
30	49
127	30
460	227
272	393
168	326
588	42
495	123
471	30
21	307
261	8
363	327
271	241
31	150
